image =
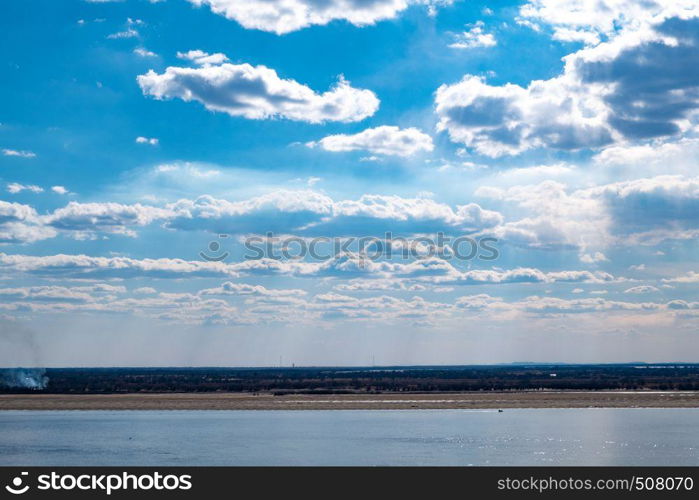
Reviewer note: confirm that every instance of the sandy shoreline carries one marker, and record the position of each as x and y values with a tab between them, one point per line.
392	401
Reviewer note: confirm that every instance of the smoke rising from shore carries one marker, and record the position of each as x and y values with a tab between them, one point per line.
23	378
21	342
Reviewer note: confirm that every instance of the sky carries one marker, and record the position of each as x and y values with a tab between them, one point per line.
146	145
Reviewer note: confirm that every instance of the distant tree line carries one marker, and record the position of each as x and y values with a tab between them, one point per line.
372	380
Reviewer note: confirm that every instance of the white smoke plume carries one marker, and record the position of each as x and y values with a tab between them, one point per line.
23	378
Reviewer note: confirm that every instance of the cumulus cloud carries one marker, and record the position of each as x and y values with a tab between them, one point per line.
555	218
575	20
474	37
551	215
521	275
261	305
634	86
275	211
652	93
104	217
669	205
312	213
60	293
384	140
257	93
21	224
305	212
334	306
509	119
593	218
380	212
431	270
553	305
284	16
415	275
84	266
683	152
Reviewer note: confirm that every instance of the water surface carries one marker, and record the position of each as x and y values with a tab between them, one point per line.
355	437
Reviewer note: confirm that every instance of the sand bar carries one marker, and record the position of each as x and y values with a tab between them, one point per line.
391	401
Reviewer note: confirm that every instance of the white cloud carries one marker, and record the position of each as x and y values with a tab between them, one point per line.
679	156
21	224
554	218
312	213
15	188
524	275
474	37
593	258
127	33
230	288
642	289
153	141
104	217
422	272
690	277
571	35
53	293
533	173
576	20
186	170
553	305
669	204
201	58
372	285
633	86
20	154
84	266
384	140
306	212
284	16
142	52
264	305
550	215
257	92
130	31
509	119
597	217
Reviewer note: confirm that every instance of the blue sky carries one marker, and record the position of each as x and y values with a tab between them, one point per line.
134	133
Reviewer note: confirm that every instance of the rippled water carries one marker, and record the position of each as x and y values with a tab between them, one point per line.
373	437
